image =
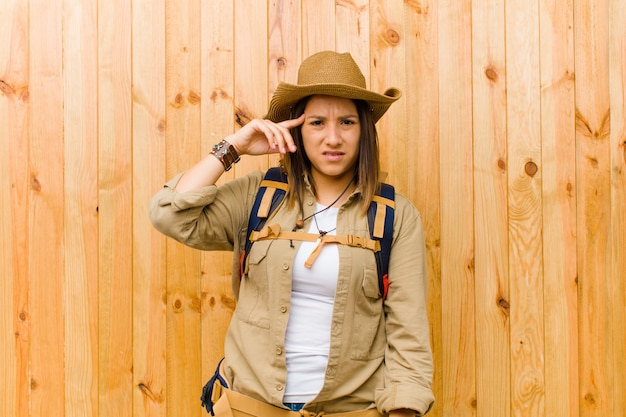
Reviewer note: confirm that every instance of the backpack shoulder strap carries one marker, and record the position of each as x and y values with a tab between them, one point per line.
380	215
271	192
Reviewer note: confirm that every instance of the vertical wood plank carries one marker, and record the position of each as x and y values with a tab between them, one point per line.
148	176
80	60
217	120
9	243
422	104
46	208
115	197
388	51
14	218
182	47
617	287
8	332
318	27
525	204
593	205
457	247
352	31
559	207
251	71
284	43
493	390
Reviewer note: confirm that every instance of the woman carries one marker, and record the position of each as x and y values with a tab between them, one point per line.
311	331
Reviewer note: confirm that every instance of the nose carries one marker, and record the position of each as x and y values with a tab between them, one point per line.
333	135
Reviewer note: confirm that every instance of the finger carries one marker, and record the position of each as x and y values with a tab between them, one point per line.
276	136
291	123
263	130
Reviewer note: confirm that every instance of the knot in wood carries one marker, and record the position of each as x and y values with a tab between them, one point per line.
6	88
491	74
35	184
178	100
531	168
193	98
392	36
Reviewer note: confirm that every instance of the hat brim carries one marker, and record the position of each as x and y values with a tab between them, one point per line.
287	95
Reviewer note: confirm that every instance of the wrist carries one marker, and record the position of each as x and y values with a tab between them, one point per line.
226	153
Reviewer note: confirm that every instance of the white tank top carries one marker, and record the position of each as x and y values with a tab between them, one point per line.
307	340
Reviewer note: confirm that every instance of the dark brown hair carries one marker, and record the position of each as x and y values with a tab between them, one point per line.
298	166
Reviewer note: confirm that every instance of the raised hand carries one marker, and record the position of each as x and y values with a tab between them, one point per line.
261	136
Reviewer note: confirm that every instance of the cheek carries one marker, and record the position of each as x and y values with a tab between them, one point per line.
309	138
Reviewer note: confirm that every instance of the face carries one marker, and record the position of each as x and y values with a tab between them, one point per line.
330	134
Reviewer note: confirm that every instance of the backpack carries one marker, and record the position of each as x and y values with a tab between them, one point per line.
380	215
272	190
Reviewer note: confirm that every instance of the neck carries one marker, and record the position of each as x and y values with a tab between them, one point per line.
334	193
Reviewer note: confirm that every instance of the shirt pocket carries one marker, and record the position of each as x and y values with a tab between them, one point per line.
368	328
252	305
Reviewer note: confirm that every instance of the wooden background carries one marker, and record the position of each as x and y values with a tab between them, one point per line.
510	139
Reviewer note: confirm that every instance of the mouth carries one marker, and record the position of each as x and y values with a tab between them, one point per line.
333	155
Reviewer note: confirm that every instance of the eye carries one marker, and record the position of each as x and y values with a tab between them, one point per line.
316	123
348	122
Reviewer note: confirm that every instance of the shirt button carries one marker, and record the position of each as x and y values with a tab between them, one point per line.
283	309
279	351
285	267
279	387
310	202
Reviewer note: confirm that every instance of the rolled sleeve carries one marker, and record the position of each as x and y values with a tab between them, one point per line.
208	218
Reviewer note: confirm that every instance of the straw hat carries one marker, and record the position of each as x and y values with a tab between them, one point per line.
333	74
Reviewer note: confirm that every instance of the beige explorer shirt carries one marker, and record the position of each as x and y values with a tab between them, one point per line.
379	354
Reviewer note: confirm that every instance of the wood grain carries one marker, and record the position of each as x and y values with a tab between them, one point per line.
318	26
14	216
525	210
8	357
284	43
493	299
251	71
617	269
422	106
183	87
457	211
46	210
80	310
149	126
388	63
559	208
353	31
593	206
115	222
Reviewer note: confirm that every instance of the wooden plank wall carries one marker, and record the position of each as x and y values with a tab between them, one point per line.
510	138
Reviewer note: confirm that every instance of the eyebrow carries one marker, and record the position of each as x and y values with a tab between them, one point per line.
345	116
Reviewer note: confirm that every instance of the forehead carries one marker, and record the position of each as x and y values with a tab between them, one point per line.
320	102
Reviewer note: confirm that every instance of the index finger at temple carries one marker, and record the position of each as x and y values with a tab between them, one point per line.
289	123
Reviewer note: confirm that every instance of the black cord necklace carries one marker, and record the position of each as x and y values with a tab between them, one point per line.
300	223
322	232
